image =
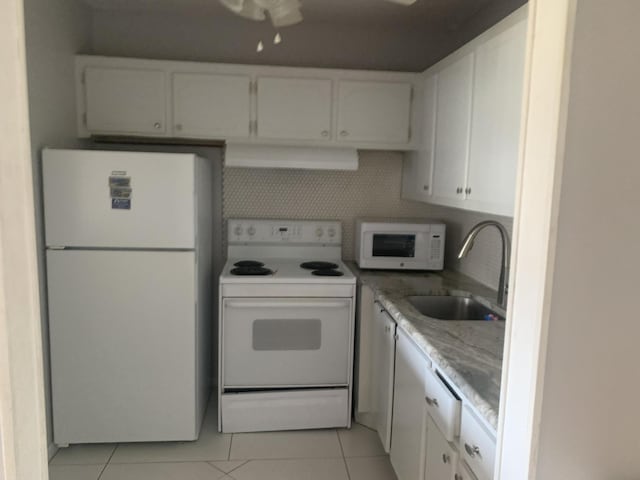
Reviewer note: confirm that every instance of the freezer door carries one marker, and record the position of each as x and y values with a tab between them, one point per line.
85	204
123	346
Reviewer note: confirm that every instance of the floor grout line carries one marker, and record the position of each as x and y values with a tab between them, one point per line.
230	445
344	459
113	452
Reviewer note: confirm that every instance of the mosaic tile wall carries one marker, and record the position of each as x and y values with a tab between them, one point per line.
373	190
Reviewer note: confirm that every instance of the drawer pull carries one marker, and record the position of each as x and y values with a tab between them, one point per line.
472	451
457	476
432	401
446	458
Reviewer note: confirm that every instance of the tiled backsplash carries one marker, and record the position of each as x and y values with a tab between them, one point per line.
371	191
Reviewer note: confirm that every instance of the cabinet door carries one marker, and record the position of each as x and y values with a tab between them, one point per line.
463	472
384	353
441	457
418	165
495	127
125	101
453	115
407	429
211	105
294	108
375	112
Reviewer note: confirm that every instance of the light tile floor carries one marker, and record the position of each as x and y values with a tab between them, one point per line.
332	454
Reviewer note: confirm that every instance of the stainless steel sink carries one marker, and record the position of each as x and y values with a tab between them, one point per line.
453	307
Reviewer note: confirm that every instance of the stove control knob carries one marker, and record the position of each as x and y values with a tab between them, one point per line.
237	230
332	232
319	232
251	230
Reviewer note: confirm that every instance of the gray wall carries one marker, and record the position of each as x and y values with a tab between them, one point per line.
589	420
55	31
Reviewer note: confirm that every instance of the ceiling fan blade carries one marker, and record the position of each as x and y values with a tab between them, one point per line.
245	8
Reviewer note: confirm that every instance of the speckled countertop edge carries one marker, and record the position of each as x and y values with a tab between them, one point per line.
469	353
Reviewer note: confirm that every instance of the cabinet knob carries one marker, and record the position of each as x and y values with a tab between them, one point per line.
343	133
472	451
467	191
459	190
457	476
179	127
445	458
157	125
425	187
325	133
432	401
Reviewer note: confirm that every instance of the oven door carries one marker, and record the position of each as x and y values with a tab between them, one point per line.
287	342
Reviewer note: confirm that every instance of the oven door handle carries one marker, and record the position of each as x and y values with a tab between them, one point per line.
298	304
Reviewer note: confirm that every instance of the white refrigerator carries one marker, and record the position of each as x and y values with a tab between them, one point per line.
129	278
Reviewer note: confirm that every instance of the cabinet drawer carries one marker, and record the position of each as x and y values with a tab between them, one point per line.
477	446
442	405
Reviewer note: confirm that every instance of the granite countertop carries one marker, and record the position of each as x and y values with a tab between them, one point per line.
468	352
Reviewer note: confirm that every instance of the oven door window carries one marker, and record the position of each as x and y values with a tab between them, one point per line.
296	334
393	245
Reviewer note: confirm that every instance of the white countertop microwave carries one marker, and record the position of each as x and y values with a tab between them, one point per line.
404	244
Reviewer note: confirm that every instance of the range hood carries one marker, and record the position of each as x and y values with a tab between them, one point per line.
310	158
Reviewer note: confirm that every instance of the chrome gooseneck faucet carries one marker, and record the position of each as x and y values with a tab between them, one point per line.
467	245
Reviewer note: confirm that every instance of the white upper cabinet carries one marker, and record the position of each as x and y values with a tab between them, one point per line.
294	108
209	105
122	101
478	98
418	165
251	103
453	115
374	112
495	125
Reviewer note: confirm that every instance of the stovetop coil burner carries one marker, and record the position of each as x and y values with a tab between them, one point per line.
251	271
328	272
318	265
248	263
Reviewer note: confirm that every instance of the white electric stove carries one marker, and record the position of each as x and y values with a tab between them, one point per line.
287	306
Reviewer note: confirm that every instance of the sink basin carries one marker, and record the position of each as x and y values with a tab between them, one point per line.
452	307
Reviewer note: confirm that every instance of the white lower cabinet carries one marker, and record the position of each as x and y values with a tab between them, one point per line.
441	460
384	346
463	472
407	434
